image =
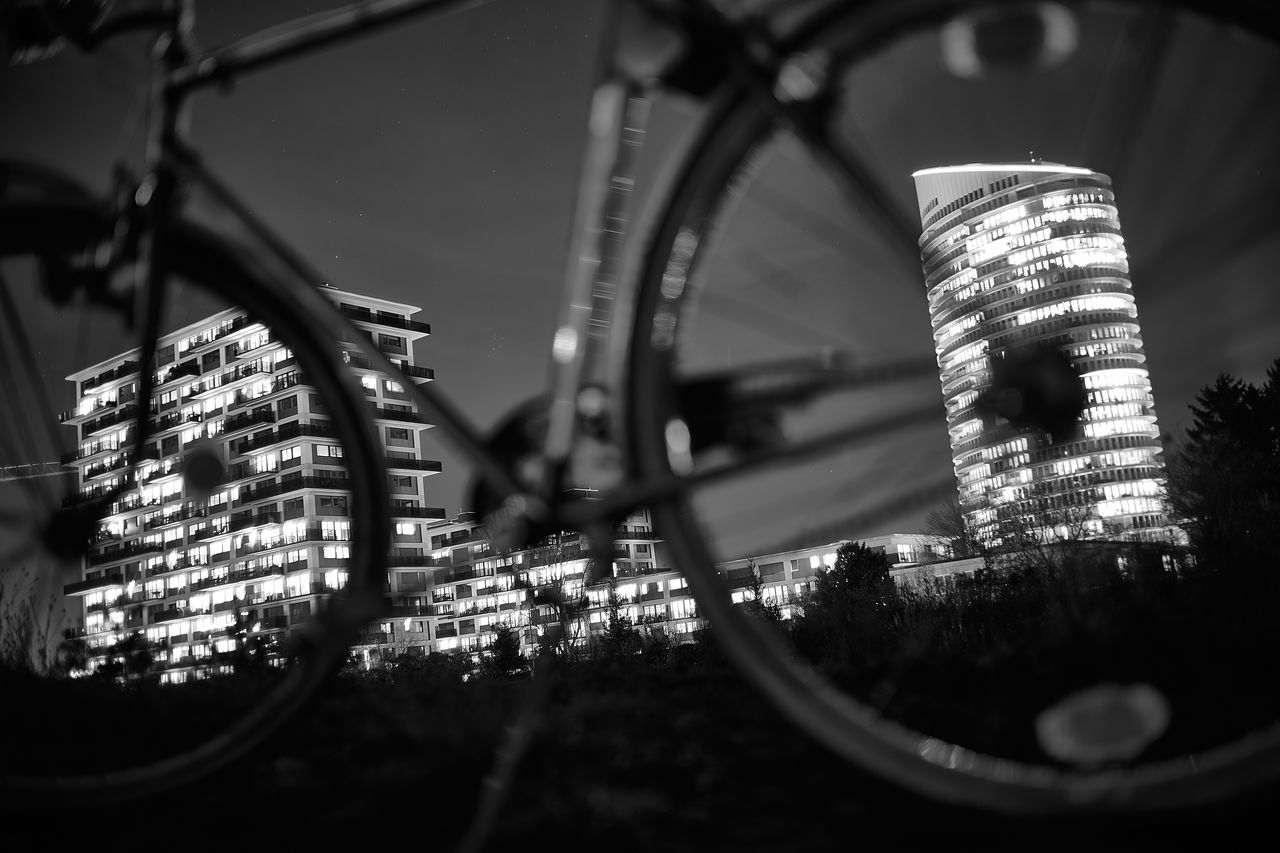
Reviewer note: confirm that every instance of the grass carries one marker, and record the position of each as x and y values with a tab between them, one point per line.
628	755
673	751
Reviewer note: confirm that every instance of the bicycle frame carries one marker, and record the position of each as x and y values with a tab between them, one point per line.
615	123
589	345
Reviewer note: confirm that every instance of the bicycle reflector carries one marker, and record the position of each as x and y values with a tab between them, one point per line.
1003	37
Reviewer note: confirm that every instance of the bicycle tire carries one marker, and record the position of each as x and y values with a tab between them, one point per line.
246	715
685	281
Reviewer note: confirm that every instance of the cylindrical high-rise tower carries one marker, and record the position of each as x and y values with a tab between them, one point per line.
1023	254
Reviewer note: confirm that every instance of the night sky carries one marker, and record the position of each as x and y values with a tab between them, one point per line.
435	164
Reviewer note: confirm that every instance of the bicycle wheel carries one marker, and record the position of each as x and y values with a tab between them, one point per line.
785	362
162	621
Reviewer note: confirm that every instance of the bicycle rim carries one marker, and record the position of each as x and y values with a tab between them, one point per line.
219	590
773	272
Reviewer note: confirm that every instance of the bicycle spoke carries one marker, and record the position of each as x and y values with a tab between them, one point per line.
29	407
869	196
814	446
1178	111
1154	30
656	489
1237	231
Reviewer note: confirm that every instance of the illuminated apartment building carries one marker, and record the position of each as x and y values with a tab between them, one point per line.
274	536
1031	253
453	598
262	549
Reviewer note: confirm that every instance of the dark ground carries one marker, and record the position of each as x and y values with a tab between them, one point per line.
627	758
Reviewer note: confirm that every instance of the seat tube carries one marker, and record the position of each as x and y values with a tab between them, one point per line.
618	117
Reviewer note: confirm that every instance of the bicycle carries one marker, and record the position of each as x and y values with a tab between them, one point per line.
640	363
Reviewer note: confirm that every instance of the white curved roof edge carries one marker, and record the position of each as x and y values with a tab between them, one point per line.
1002	167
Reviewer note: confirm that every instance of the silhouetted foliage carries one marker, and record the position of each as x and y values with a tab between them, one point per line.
859	572
847	612
73	653
947	522
620	636
129	658
503	657
412	665
252	651
1225	481
758	604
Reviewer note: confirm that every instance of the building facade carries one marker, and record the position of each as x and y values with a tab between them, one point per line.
253	557
453	601
1032	254
195	574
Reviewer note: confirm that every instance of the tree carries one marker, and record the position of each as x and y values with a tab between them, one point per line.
252	651
848	611
1225	479
503	657
620	636
73	653
859	573
129	658
758	605
31	618
947	522
569	603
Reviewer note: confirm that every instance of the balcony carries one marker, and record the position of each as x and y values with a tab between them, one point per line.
173	517
388	414
129	549
202	534
209	583
124	415
158	616
623	531
431	512
230	327
187	368
257	572
412	371
203	388
410	464
261	490
284	433
76	414
413	561
384	318
260	415
249	346
103	446
127	368
93	585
